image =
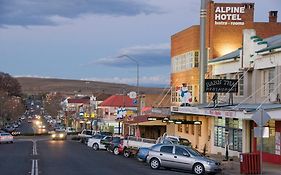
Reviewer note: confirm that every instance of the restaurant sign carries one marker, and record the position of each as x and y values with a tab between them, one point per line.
221	85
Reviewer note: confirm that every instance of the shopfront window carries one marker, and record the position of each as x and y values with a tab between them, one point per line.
228	131
268	143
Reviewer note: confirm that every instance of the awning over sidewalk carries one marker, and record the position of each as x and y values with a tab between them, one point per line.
242	111
150	123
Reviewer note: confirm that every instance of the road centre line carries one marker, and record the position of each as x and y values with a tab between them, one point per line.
34	150
34	167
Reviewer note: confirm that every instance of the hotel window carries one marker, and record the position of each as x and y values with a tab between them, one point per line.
186	128
196	59
185	61
199	130
180	128
267	81
240	85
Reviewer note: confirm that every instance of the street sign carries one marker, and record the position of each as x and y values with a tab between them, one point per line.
135	101
261	117
133	94
264	132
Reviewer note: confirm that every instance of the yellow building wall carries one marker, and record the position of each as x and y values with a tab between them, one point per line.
198	140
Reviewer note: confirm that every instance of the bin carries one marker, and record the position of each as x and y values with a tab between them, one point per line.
250	163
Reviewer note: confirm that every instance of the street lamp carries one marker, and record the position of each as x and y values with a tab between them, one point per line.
137	63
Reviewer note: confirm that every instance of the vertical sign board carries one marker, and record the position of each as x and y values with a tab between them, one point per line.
261	118
265	132
277	143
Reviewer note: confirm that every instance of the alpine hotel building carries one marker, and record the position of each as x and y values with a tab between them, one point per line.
225	25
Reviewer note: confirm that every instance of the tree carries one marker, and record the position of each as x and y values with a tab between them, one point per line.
11	104
52	103
10	85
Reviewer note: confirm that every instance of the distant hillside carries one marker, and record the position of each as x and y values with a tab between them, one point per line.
44	85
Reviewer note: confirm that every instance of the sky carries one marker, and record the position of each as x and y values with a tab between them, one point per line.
84	39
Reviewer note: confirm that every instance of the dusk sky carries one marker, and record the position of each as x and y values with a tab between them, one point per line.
82	39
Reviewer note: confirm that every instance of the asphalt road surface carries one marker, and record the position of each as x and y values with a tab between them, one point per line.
42	156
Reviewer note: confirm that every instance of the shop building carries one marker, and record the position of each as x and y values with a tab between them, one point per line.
224	37
257	68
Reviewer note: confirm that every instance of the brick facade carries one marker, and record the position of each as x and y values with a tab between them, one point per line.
221	39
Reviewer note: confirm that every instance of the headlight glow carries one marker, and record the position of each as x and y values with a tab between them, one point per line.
53	135
61	135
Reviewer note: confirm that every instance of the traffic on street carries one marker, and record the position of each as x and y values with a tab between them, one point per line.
41	155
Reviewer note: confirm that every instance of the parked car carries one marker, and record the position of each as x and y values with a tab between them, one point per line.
95	141
85	135
143	151
6	137
113	145
181	157
59	135
9	128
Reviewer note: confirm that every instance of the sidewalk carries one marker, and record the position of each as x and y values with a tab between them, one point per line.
233	167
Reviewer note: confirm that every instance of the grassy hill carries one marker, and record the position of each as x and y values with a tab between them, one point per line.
32	85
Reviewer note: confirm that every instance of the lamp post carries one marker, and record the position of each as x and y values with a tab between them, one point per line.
137	64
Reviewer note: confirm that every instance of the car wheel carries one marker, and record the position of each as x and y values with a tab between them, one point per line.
154	163
198	168
96	146
126	153
116	151
107	148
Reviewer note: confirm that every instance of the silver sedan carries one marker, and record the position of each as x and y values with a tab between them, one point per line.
181	157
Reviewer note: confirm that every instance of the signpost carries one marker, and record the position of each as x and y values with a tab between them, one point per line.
261	118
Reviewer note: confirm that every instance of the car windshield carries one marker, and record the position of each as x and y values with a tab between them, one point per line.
116	139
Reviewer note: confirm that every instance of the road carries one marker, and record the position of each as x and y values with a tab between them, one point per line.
42	156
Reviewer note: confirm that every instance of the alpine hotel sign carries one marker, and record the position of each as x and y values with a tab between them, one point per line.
221	85
227	15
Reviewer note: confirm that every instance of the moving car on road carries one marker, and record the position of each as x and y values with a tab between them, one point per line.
58	135
181	157
6	137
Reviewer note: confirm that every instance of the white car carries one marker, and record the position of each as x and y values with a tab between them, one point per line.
69	130
6	138
94	142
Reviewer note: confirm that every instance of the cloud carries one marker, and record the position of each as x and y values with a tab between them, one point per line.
146	56
42	12
144	80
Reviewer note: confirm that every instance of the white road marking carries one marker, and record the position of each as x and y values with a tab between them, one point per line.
34	167
34	151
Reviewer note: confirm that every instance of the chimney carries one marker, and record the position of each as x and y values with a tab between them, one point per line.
273	16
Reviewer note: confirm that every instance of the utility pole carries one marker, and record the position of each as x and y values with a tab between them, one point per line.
203	55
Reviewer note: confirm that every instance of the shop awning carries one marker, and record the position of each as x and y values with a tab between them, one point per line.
150	123
242	111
